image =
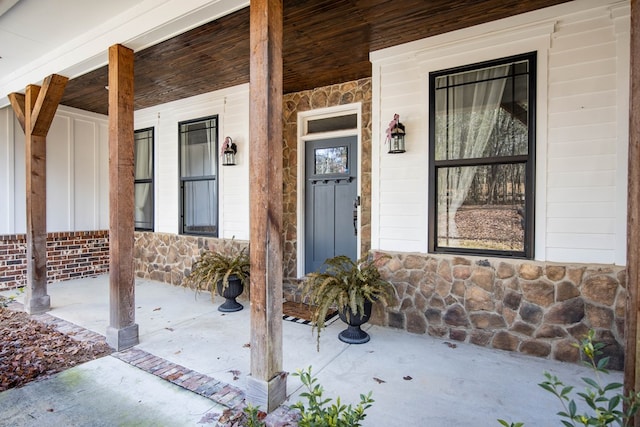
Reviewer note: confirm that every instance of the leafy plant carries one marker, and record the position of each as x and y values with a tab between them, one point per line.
210	267
343	282
253	416
6	301
320	412
604	408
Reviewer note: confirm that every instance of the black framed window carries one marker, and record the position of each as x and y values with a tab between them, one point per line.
198	176
481	158
143	179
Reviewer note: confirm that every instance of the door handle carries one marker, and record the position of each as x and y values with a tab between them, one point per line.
356	202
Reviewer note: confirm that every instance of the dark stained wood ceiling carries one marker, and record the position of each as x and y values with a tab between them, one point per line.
325	42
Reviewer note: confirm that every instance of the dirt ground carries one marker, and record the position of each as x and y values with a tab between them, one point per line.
30	350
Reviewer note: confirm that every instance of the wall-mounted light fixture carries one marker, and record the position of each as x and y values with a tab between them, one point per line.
395	135
228	152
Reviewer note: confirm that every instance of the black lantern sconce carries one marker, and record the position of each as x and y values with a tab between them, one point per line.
229	150
395	135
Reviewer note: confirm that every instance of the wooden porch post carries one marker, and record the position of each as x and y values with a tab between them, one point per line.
122	332
35	111
631	368
266	387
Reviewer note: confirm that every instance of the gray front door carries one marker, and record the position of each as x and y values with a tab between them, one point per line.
331	191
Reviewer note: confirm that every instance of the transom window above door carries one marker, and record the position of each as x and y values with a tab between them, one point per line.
481	158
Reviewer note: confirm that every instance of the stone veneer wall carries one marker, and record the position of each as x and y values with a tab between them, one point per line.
70	255
168	257
536	308
322	97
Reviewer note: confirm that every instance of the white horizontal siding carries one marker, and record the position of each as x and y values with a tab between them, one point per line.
587	178
581	225
579	163
575	86
598	147
581	194
232	108
583	133
581	255
582	71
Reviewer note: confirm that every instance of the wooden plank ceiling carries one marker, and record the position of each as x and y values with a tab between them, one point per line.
325	42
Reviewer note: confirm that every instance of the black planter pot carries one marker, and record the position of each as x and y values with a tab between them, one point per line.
230	294
353	334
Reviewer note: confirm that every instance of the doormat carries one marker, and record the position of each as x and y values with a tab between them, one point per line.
301	313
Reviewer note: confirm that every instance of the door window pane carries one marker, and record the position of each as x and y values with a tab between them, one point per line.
332	160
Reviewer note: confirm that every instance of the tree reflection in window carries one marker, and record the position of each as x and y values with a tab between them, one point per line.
332	160
482	146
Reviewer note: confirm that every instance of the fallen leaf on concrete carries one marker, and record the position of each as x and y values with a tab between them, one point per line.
451	345
235	373
209	418
157	308
378	380
408	378
247	345
169	329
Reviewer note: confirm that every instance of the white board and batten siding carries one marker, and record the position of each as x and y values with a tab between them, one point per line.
232	108
8	134
581	127
77	172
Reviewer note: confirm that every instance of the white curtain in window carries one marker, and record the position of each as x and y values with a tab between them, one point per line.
199	211
143	164
472	115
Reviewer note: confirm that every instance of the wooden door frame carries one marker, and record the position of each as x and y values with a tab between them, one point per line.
303	138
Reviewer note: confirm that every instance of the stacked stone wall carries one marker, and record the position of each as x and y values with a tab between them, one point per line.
322	97
70	255
168	257
541	309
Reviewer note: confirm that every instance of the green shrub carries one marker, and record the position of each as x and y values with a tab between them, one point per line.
253	416
605	405
320	412
6	301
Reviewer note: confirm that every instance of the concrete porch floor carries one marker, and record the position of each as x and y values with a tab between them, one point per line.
416	380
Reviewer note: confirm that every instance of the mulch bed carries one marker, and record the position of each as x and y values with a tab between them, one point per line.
31	350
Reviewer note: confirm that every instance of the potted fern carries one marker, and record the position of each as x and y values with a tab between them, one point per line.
227	272
351	287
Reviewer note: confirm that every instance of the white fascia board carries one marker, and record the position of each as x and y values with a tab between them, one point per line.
146	24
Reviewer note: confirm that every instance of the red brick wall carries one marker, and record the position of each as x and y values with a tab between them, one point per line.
69	255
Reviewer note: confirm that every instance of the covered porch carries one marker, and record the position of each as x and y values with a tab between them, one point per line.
415	379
